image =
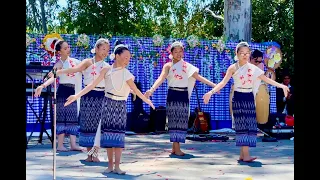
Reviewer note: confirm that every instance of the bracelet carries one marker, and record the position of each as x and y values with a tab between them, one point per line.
152	89
212	91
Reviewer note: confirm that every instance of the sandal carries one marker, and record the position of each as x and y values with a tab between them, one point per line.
93	152
108	171
119	172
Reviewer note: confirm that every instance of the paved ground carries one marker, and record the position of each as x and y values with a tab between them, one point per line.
147	157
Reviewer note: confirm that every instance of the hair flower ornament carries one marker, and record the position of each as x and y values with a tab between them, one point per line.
113	55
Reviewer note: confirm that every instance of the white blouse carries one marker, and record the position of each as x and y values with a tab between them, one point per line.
246	77
180	75
93	72
69	78
115	82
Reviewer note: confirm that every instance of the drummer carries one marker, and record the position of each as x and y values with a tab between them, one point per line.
256	59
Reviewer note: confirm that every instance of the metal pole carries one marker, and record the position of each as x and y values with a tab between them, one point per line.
54	124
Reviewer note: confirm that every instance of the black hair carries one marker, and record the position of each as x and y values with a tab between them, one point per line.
120	50
58	45
256	54
286	75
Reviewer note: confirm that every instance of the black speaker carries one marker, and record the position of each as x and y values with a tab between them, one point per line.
158	119
140	122
139	118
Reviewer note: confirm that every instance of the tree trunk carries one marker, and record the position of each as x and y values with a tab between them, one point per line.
237	20
43	17
34	13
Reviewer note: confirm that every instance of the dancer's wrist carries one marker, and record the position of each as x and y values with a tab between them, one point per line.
77	96
152	89
212	91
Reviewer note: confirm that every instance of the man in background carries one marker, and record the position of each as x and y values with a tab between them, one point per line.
285	104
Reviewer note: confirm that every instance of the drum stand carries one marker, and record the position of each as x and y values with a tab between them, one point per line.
271	139
54	124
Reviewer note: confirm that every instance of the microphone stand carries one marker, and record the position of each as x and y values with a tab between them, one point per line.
54	123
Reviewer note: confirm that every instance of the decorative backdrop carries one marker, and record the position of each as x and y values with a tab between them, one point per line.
149	54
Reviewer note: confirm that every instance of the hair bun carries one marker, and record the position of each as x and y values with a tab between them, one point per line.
118	42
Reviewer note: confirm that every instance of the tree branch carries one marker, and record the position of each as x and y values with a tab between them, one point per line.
214	15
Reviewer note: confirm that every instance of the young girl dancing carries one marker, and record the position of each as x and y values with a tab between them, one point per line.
91	103
244	75
67	117
181	77
118	82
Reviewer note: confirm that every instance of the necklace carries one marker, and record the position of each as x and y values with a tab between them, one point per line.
94	66
123	79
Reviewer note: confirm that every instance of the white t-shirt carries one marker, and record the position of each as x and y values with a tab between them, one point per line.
116	81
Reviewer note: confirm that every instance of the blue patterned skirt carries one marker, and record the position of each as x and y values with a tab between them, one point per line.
178	114
90	114
113	123
67	117
244	112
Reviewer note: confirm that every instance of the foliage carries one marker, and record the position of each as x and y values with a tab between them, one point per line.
271	20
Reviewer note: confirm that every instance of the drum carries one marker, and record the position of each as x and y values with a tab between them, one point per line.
262	104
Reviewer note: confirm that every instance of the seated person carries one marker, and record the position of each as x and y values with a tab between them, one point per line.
285	104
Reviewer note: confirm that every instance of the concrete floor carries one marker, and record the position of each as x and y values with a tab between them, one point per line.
148	157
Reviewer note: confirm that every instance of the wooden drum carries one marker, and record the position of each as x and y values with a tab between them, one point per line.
262	104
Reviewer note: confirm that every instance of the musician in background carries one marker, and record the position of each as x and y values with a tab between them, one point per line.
66	117
285	104
90	104
256	59
181	77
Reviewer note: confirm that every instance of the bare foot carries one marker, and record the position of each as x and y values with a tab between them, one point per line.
95	159
118	171
249	159
62	149
89	159
77	148
179	153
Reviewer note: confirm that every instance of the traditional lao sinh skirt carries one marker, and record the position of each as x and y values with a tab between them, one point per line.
67	117
113	121
178	113
90	114
244	113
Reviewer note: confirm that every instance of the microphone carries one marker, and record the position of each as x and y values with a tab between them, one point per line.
53	71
